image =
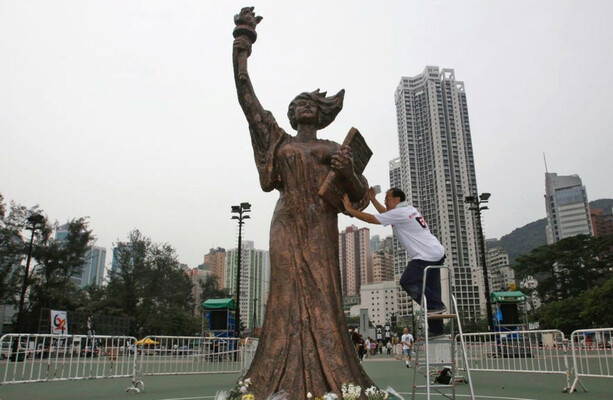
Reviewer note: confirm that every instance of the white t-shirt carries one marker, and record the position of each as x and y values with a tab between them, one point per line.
406	340
412	231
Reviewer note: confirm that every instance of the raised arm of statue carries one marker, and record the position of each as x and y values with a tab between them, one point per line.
264	131
244	37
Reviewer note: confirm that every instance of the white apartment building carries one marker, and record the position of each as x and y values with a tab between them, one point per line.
501	275
255	282
437	172
380	300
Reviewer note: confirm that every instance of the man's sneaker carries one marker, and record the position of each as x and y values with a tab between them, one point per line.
438	311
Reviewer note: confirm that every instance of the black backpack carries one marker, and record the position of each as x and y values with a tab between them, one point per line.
444	377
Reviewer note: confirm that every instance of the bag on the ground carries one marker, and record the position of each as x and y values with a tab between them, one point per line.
444	376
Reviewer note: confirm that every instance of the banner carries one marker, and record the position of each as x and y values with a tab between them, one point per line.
59	323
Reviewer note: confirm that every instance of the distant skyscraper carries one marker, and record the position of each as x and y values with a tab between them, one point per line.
382	266
404	304
602	221
355	259
215	261
437	172
374	243
400	254
568	211
197	276
502	276
255	281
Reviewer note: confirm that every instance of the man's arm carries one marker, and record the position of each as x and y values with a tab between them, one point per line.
373	199
366	217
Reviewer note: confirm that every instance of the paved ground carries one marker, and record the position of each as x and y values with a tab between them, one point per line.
383	370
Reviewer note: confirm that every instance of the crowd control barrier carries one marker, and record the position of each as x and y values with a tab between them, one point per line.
539	351
592	351
184	355
40	358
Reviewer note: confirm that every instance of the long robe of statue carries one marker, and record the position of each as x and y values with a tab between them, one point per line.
305	345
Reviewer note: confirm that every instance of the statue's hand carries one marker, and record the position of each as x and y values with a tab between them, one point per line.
342	161
242	43
245	22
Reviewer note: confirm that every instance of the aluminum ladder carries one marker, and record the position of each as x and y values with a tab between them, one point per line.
439	348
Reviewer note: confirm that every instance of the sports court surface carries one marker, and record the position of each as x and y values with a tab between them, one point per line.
384	370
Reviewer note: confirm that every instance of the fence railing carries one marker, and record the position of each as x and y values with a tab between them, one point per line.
39	358
542	351
188	355
592	351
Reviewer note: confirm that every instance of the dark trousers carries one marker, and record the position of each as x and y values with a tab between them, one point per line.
412	282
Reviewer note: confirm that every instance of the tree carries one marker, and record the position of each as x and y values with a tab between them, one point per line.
150	286
568	267
13	249
209	289
575	282
590	309
57	261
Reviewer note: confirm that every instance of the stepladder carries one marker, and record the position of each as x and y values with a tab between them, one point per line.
435	355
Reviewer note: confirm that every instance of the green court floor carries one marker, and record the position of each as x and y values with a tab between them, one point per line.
383	370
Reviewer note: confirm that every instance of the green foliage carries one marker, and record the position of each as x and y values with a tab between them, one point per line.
13	249
56	262
150	286
575	282
352	322
590	309
209	289
598	304
569	267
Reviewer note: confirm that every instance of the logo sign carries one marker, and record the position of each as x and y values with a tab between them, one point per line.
59	323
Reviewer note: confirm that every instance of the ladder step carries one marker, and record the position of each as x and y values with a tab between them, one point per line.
436	364
434	386
436	340
442	316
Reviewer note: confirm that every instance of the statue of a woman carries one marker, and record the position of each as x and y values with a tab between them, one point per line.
305	345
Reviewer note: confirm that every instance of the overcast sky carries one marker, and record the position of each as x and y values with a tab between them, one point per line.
126	111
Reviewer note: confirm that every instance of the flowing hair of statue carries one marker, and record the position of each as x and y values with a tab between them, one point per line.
329	107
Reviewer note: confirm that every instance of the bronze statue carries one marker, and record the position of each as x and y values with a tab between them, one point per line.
305	345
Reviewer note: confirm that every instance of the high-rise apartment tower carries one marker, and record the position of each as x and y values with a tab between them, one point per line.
355	259
437	172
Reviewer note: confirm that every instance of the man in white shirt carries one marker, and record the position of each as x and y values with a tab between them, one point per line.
407	346
422	247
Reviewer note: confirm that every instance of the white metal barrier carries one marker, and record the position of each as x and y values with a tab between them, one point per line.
183	355
542	351
38	358
592	351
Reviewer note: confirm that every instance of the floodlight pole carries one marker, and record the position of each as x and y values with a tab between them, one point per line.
476	208
241	209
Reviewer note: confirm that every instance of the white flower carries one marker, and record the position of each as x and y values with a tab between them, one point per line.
248	381
243	389
309	395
